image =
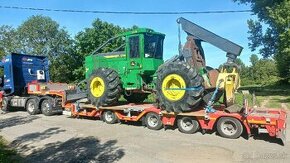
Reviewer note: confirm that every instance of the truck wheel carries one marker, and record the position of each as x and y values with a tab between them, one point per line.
136	97
187	125
110	117
153	121
229	127
179	87
32	106
46	107
5	102
104	87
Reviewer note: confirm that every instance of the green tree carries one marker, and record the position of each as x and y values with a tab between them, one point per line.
40	35
90	39
254	59
273	38
261	71
8	40
265	72
244	73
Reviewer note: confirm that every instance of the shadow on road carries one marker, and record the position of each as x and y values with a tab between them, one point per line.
17	120
88	149
37	136
79	149
268	138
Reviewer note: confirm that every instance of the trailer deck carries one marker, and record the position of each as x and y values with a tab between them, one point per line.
270	121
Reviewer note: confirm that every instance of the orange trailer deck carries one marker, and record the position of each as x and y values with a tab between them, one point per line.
229	125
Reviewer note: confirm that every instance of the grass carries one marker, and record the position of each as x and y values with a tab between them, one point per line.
7	154
270	96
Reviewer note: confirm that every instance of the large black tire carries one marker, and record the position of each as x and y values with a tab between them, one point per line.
229	127
32	106
46	107
136	97
111	86
191	98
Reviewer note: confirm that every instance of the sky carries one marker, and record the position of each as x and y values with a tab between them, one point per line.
232	26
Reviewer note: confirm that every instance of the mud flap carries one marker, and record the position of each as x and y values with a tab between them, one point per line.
282	135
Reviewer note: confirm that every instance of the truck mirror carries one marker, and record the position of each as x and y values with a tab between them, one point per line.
40	75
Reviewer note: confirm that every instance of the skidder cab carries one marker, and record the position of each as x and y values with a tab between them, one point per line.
127	70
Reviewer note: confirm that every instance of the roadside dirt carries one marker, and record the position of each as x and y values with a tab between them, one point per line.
61	139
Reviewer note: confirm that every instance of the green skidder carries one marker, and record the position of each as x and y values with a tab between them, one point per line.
128	70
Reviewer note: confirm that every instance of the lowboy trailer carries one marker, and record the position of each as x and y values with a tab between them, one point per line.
228	124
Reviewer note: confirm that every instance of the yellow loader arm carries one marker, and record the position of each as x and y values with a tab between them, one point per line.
230	82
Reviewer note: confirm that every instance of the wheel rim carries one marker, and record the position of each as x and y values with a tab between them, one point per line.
173	87
152	121
46	106
97	87
229	128
30	107
186	124
109	116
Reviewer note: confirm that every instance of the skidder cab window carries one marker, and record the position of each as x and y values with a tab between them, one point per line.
134	47
153	46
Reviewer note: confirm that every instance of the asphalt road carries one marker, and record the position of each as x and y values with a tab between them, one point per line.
62	139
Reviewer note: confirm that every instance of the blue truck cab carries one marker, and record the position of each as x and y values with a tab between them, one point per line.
21	69
25	83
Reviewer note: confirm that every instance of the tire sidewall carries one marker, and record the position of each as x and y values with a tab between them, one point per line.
46	112
184	77
100	74
35	103
5	104
114	118
191	79
194	122
105	98
235	121
158	126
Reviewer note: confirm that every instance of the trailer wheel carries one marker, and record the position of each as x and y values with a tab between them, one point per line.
229	127
32	106
4	106
110	117
153	121
46	107
187	125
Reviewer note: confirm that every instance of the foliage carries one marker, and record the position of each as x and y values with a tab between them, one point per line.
90	39
40	35
271	33
6	154
8	40
261	71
